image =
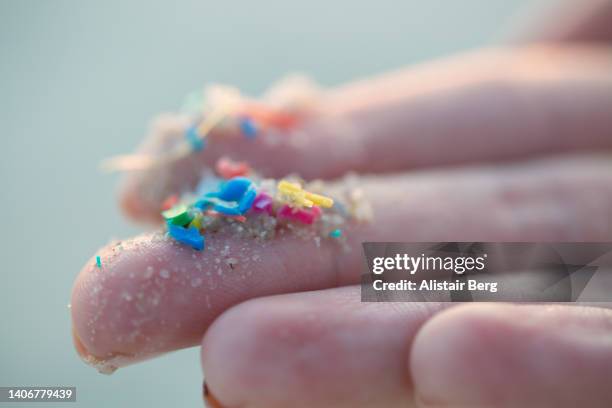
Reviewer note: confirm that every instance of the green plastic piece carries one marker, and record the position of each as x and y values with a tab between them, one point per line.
98	262
178	215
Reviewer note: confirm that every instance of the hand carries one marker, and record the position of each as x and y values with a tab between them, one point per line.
264	344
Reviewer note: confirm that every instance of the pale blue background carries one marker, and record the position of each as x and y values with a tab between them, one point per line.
79	81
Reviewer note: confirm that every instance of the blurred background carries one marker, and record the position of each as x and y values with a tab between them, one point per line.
80	80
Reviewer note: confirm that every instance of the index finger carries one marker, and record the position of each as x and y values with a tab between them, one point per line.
149	295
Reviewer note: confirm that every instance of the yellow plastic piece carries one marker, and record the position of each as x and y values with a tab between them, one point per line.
288	187
302	198
196	222
320	200
294	194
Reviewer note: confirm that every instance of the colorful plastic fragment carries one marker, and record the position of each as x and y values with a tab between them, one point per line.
337	233
98	262
170	202
263	203
226	207
303	215
188	236
269	117
246	202
196	142
293	194
228	168
178	215
235	197
299	197
233	189
248	127
320	200
196	222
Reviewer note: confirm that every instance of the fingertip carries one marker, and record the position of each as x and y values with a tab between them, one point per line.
79	347
229	347
300	350
446	357
263	352
210	401
141	191
483	355
89	330
114	305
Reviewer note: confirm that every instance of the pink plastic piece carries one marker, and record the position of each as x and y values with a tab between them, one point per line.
263	203
303	215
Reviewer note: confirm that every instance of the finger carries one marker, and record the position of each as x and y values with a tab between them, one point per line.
571	21
152	295
313	349
488	106
326	348
494	355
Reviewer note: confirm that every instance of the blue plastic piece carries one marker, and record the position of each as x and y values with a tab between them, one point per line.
234	189
236	208
187	236
246	202
227	208
204	203
196	142
248	128
235	197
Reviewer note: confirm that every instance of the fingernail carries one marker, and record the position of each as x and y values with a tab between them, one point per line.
107	366
78	345
209	400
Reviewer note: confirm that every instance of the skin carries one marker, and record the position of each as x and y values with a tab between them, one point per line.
288	329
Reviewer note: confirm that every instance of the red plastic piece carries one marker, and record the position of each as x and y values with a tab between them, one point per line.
228	168
170	202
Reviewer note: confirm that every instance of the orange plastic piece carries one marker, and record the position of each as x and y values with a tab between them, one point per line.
268	117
